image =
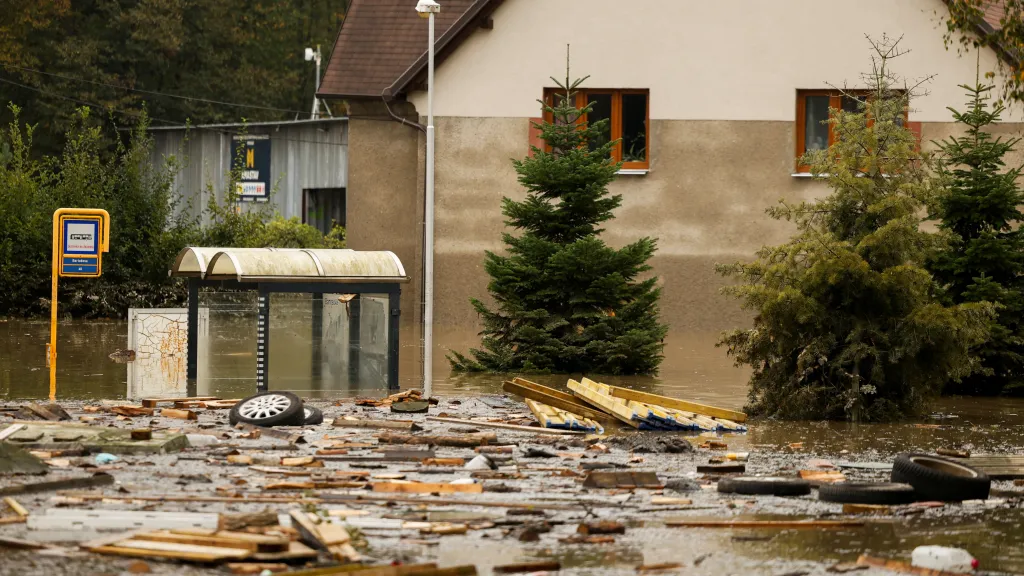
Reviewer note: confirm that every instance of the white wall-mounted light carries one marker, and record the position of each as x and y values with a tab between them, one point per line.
310	54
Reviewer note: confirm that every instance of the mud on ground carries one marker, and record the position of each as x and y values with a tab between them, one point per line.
503	534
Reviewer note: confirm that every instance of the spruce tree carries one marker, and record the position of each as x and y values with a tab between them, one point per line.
985	255
845	322
565	301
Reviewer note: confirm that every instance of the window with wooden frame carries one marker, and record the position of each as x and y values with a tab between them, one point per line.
629	114
813	109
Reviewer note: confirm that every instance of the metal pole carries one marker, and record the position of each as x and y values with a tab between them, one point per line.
428	288
316	82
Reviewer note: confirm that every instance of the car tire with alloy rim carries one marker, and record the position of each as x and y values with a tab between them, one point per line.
269	409
942	479
312	416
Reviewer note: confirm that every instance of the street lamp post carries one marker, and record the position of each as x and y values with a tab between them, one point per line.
427	9
314	56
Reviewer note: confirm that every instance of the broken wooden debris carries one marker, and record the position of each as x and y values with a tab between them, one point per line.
324	535
464	441
504	426
818	477
388	400
538	566
132	411
154	402
427	488
19	544
601	527
877	509
351	422
998	467
598	479
142	434
180	414
287	436
953	453
16	507
10	430
410	407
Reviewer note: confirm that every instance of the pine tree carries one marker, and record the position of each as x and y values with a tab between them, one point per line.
846	325
565	301
984	259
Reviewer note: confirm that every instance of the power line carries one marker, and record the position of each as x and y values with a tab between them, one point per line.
155	93
170	123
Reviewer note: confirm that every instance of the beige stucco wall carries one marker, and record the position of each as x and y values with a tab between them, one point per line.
701	60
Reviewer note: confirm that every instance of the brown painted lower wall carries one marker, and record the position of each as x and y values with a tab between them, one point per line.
385	200
704	199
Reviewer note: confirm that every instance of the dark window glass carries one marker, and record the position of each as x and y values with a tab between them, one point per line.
815	125
634	127
850	104
600	109
325	208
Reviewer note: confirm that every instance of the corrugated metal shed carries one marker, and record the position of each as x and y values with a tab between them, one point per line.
304	155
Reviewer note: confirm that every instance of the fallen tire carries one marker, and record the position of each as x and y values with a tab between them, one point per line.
312	416
885	493
764	486
936	478
269	409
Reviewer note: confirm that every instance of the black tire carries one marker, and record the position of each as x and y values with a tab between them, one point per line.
269	409
884	493
313	416
764	486
942	479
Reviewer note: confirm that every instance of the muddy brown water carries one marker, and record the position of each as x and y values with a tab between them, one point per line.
693	369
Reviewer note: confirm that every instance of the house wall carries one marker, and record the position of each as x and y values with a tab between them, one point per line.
723	78
385	203
721	60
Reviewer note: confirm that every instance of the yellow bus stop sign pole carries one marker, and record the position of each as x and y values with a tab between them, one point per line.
80	237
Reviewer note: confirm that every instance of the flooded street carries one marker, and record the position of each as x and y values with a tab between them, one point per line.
693	369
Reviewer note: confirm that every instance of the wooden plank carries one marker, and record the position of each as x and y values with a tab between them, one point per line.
349	422
18	544
605	403
262	542
10	430
547	396
551	417
764	523
196	540
15	506
173	549
153	402
703	409
464	441
180	414
503	426
427	488
996	466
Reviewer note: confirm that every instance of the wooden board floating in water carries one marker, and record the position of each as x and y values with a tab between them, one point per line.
997	467
683	405
551	417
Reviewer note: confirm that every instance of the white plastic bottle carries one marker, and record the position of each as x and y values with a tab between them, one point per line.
943	558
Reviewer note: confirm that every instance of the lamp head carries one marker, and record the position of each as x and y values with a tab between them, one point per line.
427	7
310	54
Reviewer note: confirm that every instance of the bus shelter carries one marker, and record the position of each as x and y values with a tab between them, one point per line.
366	285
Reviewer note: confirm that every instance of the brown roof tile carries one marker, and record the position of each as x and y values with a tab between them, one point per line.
379	40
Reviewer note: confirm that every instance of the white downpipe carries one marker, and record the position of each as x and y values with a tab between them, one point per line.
428	249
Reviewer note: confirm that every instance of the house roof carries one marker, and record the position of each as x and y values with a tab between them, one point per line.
381	47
